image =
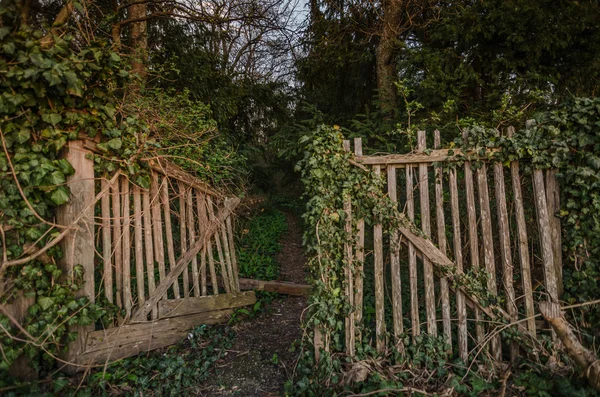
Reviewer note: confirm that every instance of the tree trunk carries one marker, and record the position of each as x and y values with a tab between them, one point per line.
387	49
139	44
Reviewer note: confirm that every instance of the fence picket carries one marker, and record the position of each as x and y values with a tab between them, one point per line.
155	204
426	228
395	262
442	244
117	241
139	248
360	253
224	272
169	231
379	282
553	196
208	249
106	243
127	300
149	246
183	236
412	257
191	222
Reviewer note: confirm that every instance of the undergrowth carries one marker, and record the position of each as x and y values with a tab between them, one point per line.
174	371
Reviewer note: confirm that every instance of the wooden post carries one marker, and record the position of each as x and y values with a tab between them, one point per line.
442	244
148	244
349	258
379	277
234	263
553	196
106	243
78	245
224	272
159	249
360	253
208	250
426	228
183	236
191	222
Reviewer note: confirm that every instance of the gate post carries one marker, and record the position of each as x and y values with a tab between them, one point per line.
78	245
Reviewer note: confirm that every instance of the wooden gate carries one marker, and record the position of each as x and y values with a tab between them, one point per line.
479	219
165	256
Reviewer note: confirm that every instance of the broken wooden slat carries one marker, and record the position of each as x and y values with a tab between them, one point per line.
541	206
185	259
131	339
117	241
148	243
139	248
553	196
360	253
127	299
159	249
472	226
227	254
412	256
426	228
183	236
488	245
199	206
164	191
106	243
395	262
458	259
173	171
224	272
191	222
442	244
379	277
202	304
505	251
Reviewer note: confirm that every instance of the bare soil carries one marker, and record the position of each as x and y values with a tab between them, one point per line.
262	357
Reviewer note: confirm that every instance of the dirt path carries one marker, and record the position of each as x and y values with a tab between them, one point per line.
261	359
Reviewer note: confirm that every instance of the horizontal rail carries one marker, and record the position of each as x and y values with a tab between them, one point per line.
423	157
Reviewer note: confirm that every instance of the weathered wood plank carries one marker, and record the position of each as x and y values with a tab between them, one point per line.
426	228
523	245
127	298
541	206
461	308
553	196
505	249
202	304
148	240
174	171
360	253
442	243
234	263
207	251
473	236
281	287
164	191
78	244
395	263
224	272
199	209
412	256
106	243
157	234
185	259
191	223
379	281
420	157
227	254
183	235
117	240
131	339
139	248
348	259
488	245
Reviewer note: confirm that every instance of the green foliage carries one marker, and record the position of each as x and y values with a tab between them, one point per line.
175	371
259	244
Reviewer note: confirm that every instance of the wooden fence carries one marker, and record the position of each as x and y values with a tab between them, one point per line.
479	219
165	256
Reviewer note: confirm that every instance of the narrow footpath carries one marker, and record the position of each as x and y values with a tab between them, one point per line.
262	356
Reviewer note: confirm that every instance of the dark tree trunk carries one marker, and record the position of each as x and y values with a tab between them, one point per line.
387	50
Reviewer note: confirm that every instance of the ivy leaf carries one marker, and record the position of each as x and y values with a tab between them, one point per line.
60	196
56	178
45	302
115	143
53	77
3	32
52	118
23	135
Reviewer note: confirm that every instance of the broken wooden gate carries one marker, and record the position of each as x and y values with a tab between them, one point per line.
478	226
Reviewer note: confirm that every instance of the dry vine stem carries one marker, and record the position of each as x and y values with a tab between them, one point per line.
585	359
